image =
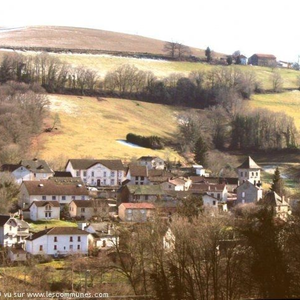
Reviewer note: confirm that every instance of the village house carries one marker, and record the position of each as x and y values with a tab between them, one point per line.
58	241
231	182
35	169
17	254
176	184
95	172
210	202
44	210
249	171
281	208
88	209
217	191
63	190
157	176
141	193
247	192
136	175
13	231
102	235
199	170
136	212
152	162
265	60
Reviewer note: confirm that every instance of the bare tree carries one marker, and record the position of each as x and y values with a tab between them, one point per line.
277	82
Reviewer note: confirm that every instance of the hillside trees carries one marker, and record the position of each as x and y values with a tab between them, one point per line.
208	54
200	151
262	129
177	50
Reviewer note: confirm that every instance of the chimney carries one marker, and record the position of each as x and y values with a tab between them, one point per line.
30	236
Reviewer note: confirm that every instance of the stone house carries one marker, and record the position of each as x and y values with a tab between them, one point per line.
137	175
17	254
265	60
152	162
93	172
248	193
136	212
281	208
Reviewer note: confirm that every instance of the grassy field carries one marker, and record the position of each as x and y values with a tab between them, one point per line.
91	128
288	102
104	63
40	225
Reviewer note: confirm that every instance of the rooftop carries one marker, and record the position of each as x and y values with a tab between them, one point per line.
249	163
84	164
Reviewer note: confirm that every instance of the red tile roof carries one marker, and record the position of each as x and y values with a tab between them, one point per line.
138	205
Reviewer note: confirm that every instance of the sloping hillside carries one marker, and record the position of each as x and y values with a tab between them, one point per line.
92	128
82	38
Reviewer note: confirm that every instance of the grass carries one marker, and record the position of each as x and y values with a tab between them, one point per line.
91	128
40	225
288	102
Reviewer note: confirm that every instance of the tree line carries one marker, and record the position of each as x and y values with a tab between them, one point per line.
152	142
250	255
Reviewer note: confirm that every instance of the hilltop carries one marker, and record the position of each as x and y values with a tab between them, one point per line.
67	38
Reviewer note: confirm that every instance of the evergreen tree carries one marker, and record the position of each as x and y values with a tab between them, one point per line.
229	60
200	151
277	185
208	54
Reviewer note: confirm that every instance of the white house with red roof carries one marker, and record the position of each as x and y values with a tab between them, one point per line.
136	212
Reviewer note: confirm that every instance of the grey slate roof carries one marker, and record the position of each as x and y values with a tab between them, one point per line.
273	199
136	170
84	164
36	166
249	163
58	231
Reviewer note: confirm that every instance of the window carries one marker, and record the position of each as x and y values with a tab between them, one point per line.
243	194
63	197
218	196
104	174
10	228
55	247
146	197
73	197
82	198
104	181
71	247
77	173
214	202
78	247
242	174
83	209
129	211
44	197
71	239
84	173
142	177
112	182
143	211
252	173
55	239
112	174
41	247
256	173
93	173
53	197
78	239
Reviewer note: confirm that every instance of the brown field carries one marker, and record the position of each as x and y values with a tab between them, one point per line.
83	38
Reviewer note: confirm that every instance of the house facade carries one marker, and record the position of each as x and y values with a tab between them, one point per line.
87	209
137	175
248	193
53	189
58	241
265	60
210	202
97	172
152	162
176	184
12	231
44	210
136	212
